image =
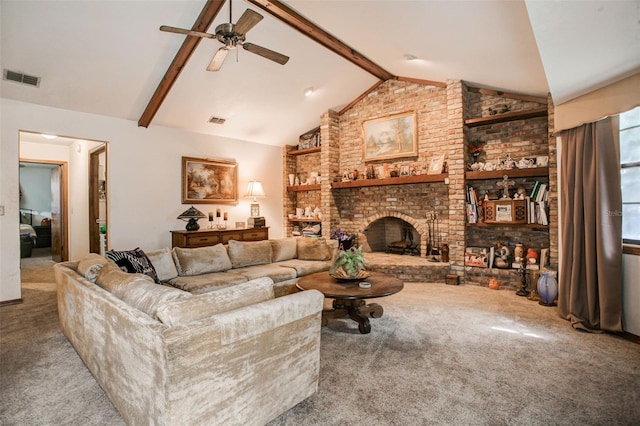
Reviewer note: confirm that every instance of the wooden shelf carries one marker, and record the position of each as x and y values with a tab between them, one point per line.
513	173
314	187
303	220
304	151
510	225
509	116
404	180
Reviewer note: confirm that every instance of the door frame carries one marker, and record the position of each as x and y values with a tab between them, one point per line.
63	166
94	199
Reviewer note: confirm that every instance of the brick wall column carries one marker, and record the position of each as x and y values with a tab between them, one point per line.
553	187
329	167
456	161
289	199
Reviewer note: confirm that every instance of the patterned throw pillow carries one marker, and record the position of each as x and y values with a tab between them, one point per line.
133	261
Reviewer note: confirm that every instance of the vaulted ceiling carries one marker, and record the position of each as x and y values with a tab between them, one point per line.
108	57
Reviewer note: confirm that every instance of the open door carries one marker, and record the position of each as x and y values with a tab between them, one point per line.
59	250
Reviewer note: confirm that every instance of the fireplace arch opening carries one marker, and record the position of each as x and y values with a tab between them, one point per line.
393	235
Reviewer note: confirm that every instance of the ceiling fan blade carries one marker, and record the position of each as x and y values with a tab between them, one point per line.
266	53
169	29
247	21
218	59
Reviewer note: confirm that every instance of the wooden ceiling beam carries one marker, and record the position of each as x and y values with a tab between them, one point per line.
202	24
311	30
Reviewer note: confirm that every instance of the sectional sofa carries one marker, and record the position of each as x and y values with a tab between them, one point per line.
212	343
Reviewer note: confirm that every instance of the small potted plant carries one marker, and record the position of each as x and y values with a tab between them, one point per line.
345	239
349	265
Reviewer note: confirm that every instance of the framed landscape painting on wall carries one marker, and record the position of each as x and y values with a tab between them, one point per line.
394	136
209	181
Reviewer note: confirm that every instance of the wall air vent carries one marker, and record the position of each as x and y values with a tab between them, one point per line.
217	120
19	77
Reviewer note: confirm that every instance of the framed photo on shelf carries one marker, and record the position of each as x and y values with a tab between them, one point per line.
209	181
394	136
435	166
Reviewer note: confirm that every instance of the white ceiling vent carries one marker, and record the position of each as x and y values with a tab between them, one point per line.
217	120
19	77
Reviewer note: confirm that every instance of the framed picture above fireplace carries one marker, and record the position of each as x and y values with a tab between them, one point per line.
393	136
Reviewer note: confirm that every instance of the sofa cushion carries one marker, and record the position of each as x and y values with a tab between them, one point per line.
90	266
111	276
305	267
147	296
201	260
249	253
162	261
284	249
205	283
216	302
133	261
275	272
313	249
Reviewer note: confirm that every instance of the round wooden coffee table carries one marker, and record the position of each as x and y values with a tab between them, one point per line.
349	297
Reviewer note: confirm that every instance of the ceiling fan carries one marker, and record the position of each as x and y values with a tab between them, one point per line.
231	36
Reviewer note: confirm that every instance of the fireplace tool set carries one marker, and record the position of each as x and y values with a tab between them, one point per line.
433	243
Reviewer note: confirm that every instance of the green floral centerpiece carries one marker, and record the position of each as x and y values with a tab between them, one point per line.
349	265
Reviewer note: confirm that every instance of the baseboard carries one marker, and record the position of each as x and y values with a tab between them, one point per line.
11	302
629	336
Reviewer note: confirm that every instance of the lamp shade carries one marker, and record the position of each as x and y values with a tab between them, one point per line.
192	215
255	190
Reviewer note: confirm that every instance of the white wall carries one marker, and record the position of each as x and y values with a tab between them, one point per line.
143	183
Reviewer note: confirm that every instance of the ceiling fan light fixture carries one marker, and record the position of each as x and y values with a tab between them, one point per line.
410	57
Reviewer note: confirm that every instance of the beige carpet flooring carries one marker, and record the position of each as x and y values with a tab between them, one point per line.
440	355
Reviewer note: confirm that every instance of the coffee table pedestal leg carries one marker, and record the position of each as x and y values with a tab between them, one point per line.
359	311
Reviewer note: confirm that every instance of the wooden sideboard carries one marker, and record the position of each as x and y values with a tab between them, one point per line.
210	237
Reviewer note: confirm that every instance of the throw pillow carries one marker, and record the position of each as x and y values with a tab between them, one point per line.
162	261
201	260
133	261
216	302
249	253
313	249
283	249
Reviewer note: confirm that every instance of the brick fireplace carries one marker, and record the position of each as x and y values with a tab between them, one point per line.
379	214
435	210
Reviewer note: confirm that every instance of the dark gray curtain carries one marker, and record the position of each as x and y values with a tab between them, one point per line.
590	276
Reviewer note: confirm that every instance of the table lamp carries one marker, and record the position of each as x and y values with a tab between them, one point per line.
255	190
191	216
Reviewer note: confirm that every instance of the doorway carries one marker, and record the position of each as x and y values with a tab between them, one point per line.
43	209
72	175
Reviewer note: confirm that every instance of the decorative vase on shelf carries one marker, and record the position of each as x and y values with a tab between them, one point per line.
547	288
518	253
